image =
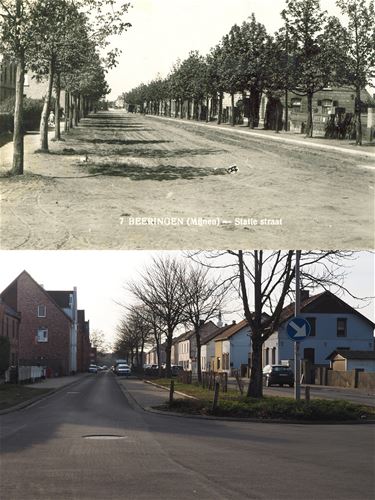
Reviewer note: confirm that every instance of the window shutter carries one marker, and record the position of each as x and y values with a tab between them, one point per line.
319	103
335	104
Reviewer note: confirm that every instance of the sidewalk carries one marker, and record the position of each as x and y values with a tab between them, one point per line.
144	394
56	383
367	150
53	384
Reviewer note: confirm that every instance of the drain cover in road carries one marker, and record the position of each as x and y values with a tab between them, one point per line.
104	436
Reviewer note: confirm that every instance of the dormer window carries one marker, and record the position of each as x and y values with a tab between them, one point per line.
42	311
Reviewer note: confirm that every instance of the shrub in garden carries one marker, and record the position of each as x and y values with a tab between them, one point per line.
32	110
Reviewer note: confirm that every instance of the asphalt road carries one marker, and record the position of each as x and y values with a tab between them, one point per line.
48	452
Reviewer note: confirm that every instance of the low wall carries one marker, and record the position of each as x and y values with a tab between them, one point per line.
25	374
353	379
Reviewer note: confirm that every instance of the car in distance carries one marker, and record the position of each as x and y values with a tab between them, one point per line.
123	370
93	369
278	375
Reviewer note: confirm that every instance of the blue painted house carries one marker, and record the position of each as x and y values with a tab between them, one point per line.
335	325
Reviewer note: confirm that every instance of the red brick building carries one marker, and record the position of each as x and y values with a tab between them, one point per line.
44	330
83	342
9	327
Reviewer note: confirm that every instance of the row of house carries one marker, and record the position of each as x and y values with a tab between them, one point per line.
336	329
45	327
333	111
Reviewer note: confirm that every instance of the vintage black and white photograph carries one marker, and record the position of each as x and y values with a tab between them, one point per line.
187	124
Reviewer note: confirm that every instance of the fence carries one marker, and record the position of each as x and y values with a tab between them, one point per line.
25	374
350	379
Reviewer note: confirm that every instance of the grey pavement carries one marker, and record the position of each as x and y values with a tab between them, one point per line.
58	382
54	384
145	395
90	443
367	149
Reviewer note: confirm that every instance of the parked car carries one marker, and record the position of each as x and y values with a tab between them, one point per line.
176	369
278	375
93	369
123	370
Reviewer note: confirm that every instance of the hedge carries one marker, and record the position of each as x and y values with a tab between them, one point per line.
32	110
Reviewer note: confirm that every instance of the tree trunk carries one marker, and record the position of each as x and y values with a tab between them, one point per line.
66	111
277	115
57	109
255	389
18	157
168	349
71	108
45	111
358	121
309	124
286	127
208	110
75	110
232	106
220	113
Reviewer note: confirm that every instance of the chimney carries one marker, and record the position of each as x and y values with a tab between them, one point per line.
201	322
220	322
234	322
305	294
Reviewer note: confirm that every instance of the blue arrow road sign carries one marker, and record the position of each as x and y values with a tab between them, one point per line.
298	329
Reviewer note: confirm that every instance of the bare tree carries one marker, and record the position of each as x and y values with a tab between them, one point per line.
264	282
160	288
205	299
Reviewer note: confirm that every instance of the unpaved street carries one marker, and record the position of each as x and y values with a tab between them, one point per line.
284	195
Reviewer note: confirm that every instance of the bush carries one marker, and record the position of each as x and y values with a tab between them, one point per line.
32	109
274	408
4	354
6	122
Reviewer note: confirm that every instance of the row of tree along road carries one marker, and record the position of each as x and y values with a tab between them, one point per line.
64	42
309	53
189	291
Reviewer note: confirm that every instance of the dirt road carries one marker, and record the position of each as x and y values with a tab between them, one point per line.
149	183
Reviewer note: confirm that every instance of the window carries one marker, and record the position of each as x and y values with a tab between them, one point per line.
312	323
42	311
327	106
42	335
341	327
267	360
218	363
296	104
273	355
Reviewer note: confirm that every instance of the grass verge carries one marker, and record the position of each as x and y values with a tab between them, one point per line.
231	404
13	394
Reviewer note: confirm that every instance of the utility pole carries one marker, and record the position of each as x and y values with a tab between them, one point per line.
297	387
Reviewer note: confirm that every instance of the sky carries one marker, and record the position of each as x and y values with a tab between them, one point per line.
101	277
164	30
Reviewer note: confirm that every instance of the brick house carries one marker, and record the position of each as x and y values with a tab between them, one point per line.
45	328
83	342
9	327
67	301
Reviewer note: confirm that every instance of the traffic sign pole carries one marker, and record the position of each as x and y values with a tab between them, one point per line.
297	387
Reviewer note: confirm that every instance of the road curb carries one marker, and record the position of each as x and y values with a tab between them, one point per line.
35	399
288	140
150	409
